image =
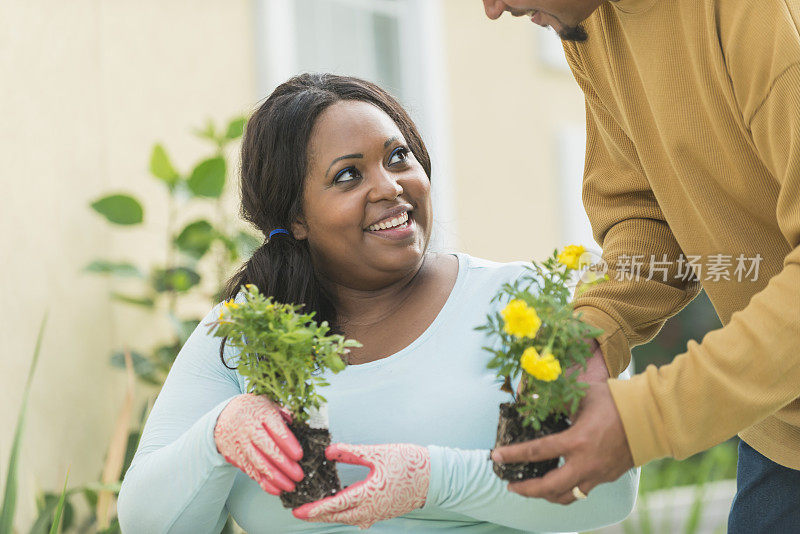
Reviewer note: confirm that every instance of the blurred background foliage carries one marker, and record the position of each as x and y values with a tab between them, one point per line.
695	472
215	239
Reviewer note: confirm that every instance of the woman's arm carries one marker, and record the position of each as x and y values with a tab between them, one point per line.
178	481
463	481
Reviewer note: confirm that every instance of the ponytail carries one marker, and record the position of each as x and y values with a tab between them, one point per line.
282	268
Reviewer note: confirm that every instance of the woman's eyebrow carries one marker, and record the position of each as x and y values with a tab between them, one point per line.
340	158
389	141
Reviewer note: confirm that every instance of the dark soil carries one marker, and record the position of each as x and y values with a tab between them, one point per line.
321	479
510	430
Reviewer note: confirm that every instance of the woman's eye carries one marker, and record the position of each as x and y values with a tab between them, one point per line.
399	155
346	175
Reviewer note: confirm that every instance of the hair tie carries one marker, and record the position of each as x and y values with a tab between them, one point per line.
278	231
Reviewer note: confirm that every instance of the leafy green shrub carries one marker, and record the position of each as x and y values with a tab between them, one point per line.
282	352
540	334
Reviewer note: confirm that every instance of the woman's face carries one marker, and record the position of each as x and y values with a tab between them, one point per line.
366	199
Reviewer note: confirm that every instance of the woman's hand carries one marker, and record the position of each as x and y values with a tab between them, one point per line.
252	435
397	484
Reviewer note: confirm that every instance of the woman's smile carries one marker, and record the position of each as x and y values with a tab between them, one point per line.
398	228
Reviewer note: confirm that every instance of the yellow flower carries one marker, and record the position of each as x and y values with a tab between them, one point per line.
250	287
521	320
572	256
231	305
545	368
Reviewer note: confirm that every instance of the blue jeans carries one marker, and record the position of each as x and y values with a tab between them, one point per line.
767	496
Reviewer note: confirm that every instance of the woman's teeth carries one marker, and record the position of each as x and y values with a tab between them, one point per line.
398	222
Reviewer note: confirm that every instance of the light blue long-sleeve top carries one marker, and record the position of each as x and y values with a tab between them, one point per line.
436	392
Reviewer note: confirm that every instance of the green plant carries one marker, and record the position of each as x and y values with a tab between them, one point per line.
662	476
540	337
189	244
59	508
9	508
282	352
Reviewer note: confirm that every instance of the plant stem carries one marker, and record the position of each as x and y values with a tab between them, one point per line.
221	259
171	249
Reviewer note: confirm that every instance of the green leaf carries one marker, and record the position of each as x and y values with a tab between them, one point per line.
183	328
179	279
208	178
59	508
146	302
235	128
123	269
119	209
114	528
46	504
133	443
165	355
161	167
208	132
91	497
97	487
10	496
195	239
142	366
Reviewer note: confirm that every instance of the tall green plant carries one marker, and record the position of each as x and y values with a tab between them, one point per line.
10	494
188	242
660	476
214	239
59	508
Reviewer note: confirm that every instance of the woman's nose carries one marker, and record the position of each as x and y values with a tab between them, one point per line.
385	186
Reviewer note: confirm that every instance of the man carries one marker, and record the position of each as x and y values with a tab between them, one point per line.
692	179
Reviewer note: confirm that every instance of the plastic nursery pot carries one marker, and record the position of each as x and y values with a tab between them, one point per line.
321	479
510	430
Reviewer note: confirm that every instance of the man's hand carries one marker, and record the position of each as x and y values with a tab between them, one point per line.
596	370
595	450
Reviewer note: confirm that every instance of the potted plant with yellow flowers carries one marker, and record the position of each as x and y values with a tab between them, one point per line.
283	354
542	345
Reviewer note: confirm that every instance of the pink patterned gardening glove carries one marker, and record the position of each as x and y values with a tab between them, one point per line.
252	435
397	484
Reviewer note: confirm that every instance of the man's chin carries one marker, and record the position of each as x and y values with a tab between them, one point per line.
572	33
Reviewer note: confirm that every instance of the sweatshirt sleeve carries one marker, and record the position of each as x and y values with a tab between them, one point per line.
463	481
178	481
632	306
750	368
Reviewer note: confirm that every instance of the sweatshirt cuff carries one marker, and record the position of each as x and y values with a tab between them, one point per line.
613	343
641	418
209	424
438	476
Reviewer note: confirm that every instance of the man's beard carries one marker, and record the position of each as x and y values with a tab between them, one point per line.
573	33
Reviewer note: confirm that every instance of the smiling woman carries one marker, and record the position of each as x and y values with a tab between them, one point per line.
336	162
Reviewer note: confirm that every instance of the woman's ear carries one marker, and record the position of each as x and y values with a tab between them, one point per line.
299	229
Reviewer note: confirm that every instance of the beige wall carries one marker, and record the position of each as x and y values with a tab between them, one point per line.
505	106
88	86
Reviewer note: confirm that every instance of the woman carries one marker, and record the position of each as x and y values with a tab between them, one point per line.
334	171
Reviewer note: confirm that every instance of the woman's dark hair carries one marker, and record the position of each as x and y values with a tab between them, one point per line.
273	172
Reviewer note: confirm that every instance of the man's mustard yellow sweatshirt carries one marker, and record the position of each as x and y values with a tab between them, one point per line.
693	157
